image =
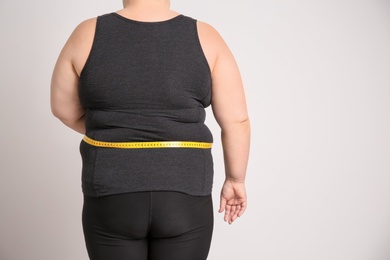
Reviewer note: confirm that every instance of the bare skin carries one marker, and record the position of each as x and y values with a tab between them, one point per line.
228	98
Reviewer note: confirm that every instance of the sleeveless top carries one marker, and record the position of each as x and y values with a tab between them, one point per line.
145	81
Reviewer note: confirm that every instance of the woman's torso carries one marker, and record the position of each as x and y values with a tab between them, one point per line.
145	81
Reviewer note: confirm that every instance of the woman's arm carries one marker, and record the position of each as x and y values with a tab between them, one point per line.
64	99
230	111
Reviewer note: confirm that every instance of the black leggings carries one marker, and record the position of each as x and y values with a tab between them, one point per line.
152	225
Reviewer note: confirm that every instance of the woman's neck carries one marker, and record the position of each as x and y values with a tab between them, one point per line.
147	10
147	5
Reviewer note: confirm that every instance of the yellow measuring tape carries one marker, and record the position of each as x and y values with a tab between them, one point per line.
164	144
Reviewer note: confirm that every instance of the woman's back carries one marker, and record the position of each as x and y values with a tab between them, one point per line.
148	80
145	81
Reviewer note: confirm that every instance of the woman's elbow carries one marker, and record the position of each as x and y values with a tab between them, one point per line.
65	115
59	112
234	124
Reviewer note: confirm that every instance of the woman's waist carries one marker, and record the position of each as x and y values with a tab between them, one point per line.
138	133
148	144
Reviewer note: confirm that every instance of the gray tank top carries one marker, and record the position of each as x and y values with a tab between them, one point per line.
146	81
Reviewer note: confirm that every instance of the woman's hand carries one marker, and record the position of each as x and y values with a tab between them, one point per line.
233	200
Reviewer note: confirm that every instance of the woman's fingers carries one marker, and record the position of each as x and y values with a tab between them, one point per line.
243	207
228	209
234	211
235	214
222	204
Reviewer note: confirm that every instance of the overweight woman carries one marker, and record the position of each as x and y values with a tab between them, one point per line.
135	83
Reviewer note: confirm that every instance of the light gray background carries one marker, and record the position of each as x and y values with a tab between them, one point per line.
317	79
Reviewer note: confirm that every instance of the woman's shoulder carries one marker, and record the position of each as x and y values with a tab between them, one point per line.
211	40
85	27
80	42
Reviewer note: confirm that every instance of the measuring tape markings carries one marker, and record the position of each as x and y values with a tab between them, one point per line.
157	144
